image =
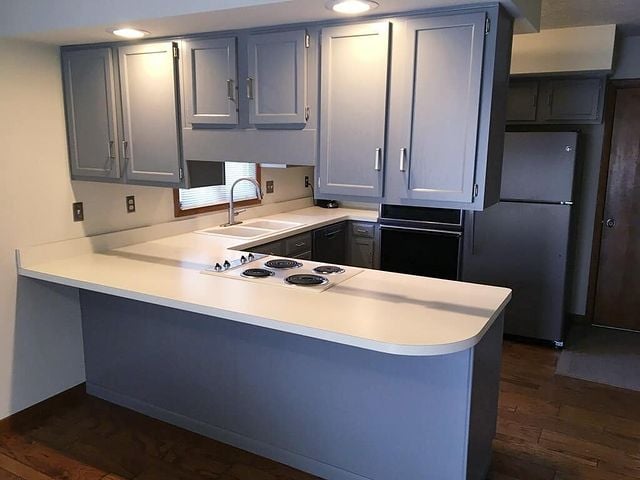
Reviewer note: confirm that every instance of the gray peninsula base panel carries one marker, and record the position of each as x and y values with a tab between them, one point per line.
336	411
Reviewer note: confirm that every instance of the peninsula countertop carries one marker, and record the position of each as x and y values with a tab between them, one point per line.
382	311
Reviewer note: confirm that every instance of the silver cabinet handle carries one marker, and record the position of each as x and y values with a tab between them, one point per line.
125	147
231	90
300	244
403	159
112	153
250	88
377	164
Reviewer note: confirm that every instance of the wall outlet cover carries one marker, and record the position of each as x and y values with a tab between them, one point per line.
269	186
131	203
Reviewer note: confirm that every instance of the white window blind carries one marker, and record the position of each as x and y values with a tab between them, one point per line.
206	196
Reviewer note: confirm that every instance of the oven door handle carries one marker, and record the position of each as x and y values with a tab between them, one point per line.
425	230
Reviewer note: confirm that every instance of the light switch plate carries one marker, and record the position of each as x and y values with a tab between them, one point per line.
269	186
78	212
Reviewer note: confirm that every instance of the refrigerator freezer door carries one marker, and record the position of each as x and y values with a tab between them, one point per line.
538	166
522	246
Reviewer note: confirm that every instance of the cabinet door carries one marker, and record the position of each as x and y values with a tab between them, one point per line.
361	252
571	100
210	81
273	248
353	109
150	143
89	91
276	86
437	99
522	101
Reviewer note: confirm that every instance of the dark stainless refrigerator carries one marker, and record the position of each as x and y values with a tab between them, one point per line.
522	242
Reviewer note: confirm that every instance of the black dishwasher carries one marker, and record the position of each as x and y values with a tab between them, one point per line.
329	244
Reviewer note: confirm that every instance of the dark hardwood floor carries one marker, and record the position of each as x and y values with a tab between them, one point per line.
550	428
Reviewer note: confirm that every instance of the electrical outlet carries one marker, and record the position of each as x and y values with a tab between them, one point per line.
306	181
78	212
131	204
269	186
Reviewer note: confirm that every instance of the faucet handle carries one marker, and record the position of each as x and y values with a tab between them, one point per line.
241	210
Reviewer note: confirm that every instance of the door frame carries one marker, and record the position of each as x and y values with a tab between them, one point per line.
596	244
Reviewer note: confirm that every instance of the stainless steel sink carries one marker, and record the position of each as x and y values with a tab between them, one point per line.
239	231
272	224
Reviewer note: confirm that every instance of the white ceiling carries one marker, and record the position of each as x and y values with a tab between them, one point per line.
86	21
574	13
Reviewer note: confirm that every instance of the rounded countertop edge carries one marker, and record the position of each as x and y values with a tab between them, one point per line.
281	326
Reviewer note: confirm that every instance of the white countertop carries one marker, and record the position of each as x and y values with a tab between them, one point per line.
382	311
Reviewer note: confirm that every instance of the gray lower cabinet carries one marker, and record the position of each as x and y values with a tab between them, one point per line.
555	100
272	248
210	81
150	122
90	101
354	71
343	243
361	244
276	84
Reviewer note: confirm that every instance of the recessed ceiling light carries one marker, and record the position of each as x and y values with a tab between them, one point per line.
129	32
351	7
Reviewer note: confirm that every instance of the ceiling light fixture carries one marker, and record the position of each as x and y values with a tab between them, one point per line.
129	32
351	7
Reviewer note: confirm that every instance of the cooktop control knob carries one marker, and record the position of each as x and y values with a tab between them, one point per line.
243	259
251	257
226	264
217	267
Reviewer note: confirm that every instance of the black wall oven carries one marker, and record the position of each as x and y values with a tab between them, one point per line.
421	241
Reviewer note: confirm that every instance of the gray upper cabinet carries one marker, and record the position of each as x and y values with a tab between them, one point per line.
522	101
354	69
571	99
438	91
90	98
276	83
210	81
150	141
554	100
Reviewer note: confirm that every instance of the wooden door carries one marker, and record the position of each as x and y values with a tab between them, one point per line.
210	81
438	85
150	143
90	102
617	302
276	86
353	109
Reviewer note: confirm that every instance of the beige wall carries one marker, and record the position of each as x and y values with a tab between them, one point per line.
40	335
575	49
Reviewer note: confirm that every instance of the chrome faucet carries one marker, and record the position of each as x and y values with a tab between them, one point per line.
232	211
